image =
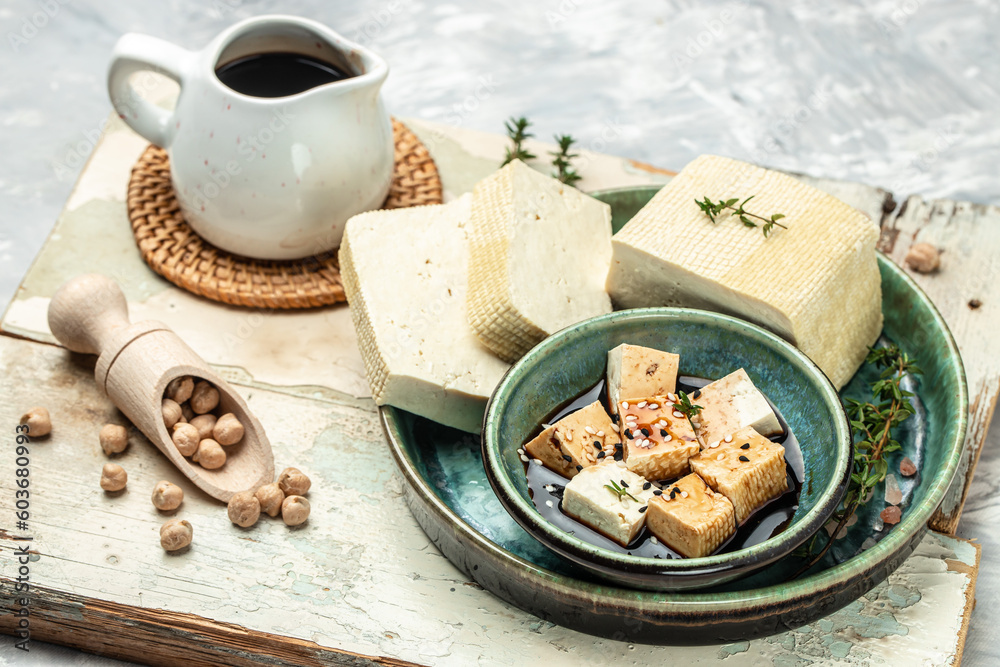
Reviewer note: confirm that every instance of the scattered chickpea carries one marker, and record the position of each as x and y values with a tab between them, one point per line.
210	454
270	497
186	438
228	430
114	438
180	389
171	412
293	482
244	509
205	425
187	414
167	496
204	398
294	510
113	477
923	258
38	421
175	534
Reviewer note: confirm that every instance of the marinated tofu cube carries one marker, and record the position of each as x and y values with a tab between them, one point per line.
576	441
609	499
691	518
732	403
746	467
636	372
657	440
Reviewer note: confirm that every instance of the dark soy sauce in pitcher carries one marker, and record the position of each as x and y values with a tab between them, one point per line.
278	74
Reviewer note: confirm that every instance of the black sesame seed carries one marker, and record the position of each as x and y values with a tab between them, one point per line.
744	459
657	492
597	443
567	457
618	446
645	432
601	455
618	456
642	509
624	484
663	432
696	394
657	556
673	494
628	434
579	468
645	487
745	445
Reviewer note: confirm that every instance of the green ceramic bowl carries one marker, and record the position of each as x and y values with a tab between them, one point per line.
710	345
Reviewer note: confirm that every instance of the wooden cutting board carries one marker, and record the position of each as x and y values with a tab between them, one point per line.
360	583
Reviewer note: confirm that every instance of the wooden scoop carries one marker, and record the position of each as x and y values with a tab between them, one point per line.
89	314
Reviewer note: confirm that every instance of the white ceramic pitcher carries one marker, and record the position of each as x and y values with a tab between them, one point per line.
265	177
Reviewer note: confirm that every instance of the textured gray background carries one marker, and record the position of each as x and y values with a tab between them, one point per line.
896	93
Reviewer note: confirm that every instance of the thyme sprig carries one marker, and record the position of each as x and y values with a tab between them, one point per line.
561	160
619	491
873	423
684	405
517	130
714	210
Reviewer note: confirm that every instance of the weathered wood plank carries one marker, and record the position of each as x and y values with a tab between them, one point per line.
359	583
966	289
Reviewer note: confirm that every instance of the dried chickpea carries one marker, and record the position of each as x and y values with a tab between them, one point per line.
171	412
186	438
228	430
205	398
114	438
205	425
923	258
270	496
293	482
167	496
244	509
210	454
113	477
38	421
180	389
175	534
294	510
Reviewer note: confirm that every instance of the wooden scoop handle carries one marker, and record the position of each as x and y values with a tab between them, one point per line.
86	311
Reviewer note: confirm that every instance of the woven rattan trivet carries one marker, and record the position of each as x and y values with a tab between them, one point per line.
176	252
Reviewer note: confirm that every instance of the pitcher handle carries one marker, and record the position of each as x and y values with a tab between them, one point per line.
142	53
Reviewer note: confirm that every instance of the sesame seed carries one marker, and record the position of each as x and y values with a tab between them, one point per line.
597	444
600	434
668	438
567	457
520	450
641	404
618	456
645	487
696	394
590	430
579	468
620	464
601	455
614	427
744	459
663	432
657	492
549	503
569	436
653	406
624	405
673	493
652	538
678	414
714	445
671	398
645	432
684	494
537	462
642	509
524	458
728	438
628	434
745	445
624	483
647	443
721	456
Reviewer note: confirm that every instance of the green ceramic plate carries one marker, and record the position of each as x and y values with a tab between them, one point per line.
447	490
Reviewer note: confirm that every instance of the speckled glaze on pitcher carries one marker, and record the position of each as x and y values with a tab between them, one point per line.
265	177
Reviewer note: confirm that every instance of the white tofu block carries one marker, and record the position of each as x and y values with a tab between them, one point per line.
816	284
588	499
405	274
576	441
730	404
637	372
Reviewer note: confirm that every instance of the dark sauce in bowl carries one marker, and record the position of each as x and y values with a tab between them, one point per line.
546	487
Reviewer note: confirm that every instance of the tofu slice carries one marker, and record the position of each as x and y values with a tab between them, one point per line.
404	273
816	283
657	442
576	441
749	470
730	404
691	518
540	253
635	372
588	499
